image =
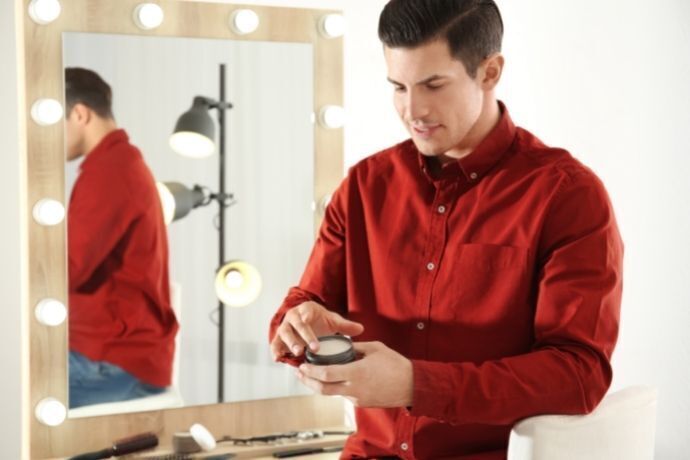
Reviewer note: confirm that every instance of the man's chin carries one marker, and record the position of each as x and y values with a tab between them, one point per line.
426	149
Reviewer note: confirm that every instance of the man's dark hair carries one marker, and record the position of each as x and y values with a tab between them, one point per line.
84	86
473	29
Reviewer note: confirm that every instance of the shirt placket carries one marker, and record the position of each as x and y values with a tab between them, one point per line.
436	242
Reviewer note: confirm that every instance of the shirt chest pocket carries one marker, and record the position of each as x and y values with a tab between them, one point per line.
485	282
492	257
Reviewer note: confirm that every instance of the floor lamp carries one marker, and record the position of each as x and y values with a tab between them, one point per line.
237	283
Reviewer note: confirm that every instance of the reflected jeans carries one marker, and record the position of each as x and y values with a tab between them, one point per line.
94	382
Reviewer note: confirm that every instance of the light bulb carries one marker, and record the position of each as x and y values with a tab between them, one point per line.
48	212
51	412
332	117
50	312
234	279
46	112
238	284
244	21
148	16
332	25
167	202
44	11
193	145
324	202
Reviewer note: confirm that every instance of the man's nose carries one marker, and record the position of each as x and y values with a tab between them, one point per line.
416	106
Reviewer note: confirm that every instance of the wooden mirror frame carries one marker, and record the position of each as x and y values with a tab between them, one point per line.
44	274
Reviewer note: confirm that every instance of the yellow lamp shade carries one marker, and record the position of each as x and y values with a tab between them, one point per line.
238	284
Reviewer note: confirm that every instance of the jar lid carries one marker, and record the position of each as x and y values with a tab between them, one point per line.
333	349
202	437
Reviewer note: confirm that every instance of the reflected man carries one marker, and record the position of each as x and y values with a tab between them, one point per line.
121	323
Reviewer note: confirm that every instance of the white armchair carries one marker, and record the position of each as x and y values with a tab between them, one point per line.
621	427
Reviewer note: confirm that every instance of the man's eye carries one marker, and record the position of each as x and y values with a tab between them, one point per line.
434	87
399	89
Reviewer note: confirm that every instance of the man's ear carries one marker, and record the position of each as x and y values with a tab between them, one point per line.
491	71
81	113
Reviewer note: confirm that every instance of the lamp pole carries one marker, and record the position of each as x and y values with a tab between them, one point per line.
222	105
197	121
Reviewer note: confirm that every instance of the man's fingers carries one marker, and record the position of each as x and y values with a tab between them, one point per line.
305	332
278	347
324	388
345	326
365	348
326	374
292	341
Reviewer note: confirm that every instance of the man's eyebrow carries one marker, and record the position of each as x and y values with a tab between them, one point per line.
422	82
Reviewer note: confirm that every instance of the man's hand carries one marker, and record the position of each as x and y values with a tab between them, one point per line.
381	378
306	322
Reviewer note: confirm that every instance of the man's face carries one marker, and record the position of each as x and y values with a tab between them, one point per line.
437	100
74	132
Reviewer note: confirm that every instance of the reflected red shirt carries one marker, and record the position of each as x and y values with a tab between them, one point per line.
499	277
119	291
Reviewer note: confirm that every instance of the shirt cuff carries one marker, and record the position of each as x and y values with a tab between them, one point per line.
432	393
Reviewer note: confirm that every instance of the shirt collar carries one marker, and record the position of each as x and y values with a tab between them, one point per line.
106	144
485	155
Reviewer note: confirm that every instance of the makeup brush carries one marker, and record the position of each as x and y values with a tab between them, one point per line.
122	447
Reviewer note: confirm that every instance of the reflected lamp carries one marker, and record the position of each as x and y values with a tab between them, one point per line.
238	284
178	200
194	131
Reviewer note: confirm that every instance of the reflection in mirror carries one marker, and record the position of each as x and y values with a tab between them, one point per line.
269	170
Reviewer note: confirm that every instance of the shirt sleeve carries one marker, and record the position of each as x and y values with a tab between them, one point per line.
324	278
100	212
568	371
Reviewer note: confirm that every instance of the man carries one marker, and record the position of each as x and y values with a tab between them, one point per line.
122	327
479	269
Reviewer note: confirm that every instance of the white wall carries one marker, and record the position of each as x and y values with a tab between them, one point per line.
609	82
606	80
10	326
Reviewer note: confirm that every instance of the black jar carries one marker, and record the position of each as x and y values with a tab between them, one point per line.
333	349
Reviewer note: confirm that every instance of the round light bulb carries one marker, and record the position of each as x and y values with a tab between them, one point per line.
46	112
148	16
240	288
332	117
51	412
193	145
332	25
44	11
167	202
234	279
48	212
51	312
244	21
324	202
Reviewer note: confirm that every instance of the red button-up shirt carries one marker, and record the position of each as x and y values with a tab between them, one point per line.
119	291
499	277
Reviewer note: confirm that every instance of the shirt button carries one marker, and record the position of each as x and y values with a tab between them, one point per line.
404	446
430	266
473	176
441	209
420	325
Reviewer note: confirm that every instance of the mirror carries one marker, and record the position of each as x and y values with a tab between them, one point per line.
269	170
44	275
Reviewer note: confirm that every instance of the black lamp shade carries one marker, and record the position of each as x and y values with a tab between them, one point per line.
183	200
194	131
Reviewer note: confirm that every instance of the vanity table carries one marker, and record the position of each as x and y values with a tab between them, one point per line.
52	433
328	442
